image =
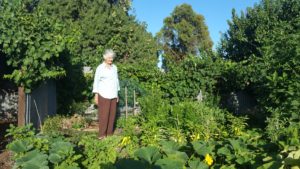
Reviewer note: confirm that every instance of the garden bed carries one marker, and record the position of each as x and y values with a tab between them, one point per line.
4	125
5	161
152	140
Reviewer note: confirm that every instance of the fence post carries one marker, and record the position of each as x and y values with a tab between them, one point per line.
21	106
126	103
134	103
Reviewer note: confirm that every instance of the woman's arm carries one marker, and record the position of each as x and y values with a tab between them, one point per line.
118	84
96	98
96	84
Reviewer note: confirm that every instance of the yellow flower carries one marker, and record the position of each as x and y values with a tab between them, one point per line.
180	140
206	137
125	141
237	131
195	137
208	160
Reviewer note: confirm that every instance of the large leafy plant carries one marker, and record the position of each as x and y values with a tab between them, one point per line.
34	151
190	77
32	43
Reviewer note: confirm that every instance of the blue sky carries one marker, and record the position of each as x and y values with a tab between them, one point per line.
216	13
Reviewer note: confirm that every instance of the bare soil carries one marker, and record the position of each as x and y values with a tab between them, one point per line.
5	155
5	162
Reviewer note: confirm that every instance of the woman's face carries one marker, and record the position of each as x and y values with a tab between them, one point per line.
109	60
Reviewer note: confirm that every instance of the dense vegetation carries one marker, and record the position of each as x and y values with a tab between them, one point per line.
183	121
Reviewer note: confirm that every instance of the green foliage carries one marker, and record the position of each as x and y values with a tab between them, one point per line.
138	76
55	39
101	24
60	125
281	130
261	50
264	45
32	43
62	155
149	154
33	160
237	149
53	125
187	116
257	27
193	74
99	154
104	25
185	121
154	106
183	33
20	132
41	151
128	126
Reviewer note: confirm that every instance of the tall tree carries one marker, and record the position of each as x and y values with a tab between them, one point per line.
104	24
264	42
32	43
250	31
184	32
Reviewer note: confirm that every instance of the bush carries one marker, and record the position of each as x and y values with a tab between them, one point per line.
57	125
53	125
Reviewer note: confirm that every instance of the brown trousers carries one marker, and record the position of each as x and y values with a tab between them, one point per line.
107	114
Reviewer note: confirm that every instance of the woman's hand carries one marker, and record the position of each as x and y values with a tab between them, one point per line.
96	99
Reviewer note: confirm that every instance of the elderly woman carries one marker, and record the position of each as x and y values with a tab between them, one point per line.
106	87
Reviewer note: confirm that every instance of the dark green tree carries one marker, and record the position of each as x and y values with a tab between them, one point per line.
104	24
32	43
183	33
264	42
250	31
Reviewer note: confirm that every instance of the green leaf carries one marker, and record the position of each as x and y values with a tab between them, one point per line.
19	146
149	154
293	159
130	164
168	163
226	152
33	160
241	160
177	155
55	158
202	148
271	165
198	164
169	145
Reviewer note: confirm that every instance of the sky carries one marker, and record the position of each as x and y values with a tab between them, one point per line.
215	12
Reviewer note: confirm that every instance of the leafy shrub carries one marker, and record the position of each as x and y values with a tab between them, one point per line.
53	125
99	154
76	121
40	151
154	107
22	132
129	126
79	107
283	129
197	118
184	80
57	124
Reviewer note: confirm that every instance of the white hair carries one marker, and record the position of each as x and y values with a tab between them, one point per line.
109	53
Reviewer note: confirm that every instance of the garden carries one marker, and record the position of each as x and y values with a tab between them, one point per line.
236	107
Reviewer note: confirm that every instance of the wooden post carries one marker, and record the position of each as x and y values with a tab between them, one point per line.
126	103
21	106
134	103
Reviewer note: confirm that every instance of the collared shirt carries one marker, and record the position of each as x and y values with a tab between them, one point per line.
106	81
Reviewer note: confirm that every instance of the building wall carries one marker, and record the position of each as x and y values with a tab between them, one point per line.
40	103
